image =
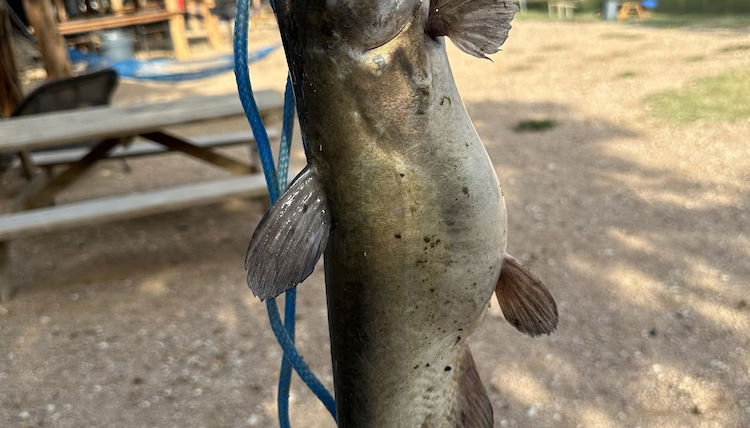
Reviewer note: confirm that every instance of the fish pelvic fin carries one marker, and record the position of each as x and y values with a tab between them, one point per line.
526	303
290	238
477	27
475	409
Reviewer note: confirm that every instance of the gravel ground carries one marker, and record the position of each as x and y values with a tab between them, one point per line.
639	227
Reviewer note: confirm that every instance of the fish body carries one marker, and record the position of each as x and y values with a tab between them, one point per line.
403	199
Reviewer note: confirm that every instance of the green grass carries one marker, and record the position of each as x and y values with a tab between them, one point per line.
534	125
622	36
662	20
735	48
696	58
725	97
627	74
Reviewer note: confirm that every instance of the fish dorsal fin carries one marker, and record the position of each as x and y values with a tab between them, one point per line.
475	409
290	238
477	27
525	301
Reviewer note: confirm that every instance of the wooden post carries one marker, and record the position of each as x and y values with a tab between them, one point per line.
117	6
51	43
10	88
177	30
62	14
210	24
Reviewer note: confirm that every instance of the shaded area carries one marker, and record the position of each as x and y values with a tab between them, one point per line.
649	268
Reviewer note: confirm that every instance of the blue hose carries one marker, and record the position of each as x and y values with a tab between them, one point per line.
276	184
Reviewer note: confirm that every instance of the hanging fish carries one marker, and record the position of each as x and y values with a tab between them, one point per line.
402	197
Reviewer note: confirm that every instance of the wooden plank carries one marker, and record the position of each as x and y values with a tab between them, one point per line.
96	123
51	43
133	205
142	147
206	155
177	30
10	87
108	22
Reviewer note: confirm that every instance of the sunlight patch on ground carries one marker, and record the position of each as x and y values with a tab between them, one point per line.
522	385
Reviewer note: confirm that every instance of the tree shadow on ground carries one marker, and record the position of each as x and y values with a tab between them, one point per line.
650	270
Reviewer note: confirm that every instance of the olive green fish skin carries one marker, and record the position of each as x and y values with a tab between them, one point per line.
418	220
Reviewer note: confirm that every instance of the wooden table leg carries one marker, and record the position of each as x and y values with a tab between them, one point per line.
218	159
45	195
7	288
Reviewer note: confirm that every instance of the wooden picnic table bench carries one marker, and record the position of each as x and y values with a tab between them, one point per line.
111	127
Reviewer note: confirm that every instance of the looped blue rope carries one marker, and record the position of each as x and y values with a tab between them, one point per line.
276	182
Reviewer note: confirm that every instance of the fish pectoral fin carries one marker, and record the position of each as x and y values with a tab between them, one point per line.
525	301
475	408
290	238
477	27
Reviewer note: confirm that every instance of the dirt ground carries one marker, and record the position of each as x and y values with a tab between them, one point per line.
641	229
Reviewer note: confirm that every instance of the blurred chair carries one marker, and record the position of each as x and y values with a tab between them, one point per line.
88	90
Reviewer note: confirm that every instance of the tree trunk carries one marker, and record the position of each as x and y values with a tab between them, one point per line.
10	88
51	43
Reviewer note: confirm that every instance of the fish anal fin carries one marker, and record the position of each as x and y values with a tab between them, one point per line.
477	27
290	238
475	409
525	301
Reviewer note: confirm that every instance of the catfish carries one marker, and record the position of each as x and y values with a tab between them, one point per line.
403	201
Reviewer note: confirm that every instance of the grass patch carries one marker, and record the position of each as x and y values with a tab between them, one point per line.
662	20
627	74
531	125
725	97
521	67
735	48
621	36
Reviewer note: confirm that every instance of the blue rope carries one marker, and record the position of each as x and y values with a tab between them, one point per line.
290	304
276	184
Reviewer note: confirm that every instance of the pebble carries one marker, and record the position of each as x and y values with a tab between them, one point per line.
44	319
198	392
253	419
532	411
504	423
557	417
50	408
24	415
102	345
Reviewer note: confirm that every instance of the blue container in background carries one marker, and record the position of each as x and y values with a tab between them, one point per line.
609	10
117	45
650	4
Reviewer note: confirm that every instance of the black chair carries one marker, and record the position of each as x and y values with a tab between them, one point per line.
93	89
88	90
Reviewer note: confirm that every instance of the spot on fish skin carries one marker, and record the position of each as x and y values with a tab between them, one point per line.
426	239
466	191
401	174
427	365
444	99
432	290
458	339
397	236
447	368
416	367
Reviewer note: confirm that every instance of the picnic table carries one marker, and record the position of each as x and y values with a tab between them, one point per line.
113	129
